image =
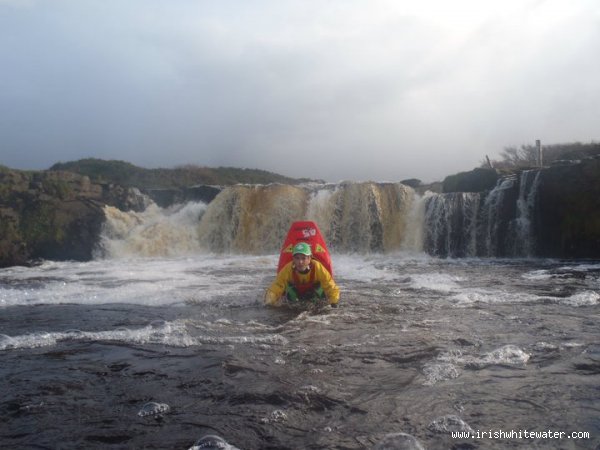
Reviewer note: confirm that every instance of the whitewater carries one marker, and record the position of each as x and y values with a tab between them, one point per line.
160	346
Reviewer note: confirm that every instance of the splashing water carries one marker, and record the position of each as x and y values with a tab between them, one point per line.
418	347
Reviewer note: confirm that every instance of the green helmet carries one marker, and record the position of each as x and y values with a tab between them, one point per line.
303	248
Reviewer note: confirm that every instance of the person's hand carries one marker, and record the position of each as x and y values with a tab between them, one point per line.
270	298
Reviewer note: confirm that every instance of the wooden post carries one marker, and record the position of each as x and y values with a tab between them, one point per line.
540	159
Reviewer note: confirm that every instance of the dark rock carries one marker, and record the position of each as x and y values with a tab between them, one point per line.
55	215
168	197
125	198
412	182
568	204
477	180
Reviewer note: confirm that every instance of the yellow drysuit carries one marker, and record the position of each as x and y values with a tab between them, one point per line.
319	275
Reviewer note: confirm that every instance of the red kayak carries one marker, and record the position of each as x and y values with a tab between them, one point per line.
305	231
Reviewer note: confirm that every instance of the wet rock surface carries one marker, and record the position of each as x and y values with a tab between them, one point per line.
55	215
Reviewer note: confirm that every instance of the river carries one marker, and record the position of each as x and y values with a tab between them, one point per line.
157	352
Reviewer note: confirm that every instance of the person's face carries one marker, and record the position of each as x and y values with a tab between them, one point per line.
301	262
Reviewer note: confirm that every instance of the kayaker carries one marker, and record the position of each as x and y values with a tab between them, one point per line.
303	279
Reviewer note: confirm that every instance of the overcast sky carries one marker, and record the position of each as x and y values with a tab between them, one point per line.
379	90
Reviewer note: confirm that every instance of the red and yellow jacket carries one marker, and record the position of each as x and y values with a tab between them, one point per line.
289	275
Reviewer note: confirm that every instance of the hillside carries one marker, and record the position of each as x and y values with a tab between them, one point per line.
129	175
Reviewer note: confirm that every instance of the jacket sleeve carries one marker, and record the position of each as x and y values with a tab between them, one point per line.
277	288
332	291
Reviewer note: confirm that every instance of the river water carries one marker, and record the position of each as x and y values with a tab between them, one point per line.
158	352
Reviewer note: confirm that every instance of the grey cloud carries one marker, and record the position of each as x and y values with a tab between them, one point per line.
345	90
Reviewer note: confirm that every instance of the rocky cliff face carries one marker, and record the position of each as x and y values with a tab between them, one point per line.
167	197
568	211
476	180
54	215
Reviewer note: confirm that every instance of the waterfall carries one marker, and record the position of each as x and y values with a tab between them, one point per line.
254	219
496	223
451	224
494	216
415	224
153	232
353	217
523	226
251	218
366	217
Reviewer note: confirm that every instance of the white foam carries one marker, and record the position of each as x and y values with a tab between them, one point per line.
436	372
212	442
572	344
545	346
585	298
150	282
508	355
173	334
472	297
581	267
276	416
359	268
153	232
449	423
433	281
207	278
377	268
398	441
469	297
154	409
34	340
537	275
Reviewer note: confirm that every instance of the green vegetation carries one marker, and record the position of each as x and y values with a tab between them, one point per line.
57	188
5	192
38	223
126	174
526	156
101	171
8	228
